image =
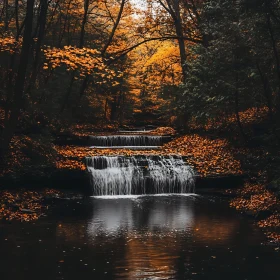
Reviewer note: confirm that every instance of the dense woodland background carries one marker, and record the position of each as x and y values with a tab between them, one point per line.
190	64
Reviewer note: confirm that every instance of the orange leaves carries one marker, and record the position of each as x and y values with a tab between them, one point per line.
254	198
85	61
274	237
10	44
163	131
272	221
23	205
70	164
209	157
258	202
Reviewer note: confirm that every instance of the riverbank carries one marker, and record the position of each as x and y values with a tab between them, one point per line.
26	205
37	164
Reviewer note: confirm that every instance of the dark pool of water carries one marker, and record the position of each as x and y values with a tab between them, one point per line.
173	237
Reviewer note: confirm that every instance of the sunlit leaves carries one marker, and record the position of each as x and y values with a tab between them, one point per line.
83	61
10	44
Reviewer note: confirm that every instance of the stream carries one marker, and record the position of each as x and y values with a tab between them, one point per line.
138	237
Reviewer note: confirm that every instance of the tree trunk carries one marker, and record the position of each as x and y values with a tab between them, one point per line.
42	19
236	99
6	7
173	8
11	124
181	41
276	55
105	109
113	114
68	93
84	21
16	16
268	94
114	29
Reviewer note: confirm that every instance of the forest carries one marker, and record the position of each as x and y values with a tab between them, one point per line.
119	63
204	73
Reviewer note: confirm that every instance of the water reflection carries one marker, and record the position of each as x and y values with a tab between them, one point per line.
153	233
126	216
139	238
151	228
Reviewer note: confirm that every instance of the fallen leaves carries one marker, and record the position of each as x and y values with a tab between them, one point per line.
261	201
208	156
270	222
163	131
70	164
254	198
274	237
24	205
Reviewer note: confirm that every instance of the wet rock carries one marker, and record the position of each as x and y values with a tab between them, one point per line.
274	186
220	181
28	211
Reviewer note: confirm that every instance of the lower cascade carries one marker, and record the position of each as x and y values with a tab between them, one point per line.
121	175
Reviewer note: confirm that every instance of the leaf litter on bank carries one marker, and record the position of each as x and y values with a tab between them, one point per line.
24	205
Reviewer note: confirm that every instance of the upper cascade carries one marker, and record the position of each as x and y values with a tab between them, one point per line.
121	175
126	140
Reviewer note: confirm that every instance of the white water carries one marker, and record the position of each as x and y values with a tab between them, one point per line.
125	140
127	147
135	131
136	196
120	175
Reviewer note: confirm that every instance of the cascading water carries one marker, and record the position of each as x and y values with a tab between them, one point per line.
125	140
120	175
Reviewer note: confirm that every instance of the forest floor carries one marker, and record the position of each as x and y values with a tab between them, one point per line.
209	154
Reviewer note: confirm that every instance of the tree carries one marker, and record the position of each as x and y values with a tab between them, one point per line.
11	123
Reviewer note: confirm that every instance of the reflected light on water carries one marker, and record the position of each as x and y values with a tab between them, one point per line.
173	237
151	233
111	217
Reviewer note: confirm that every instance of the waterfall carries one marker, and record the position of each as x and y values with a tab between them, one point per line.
125	140
120	175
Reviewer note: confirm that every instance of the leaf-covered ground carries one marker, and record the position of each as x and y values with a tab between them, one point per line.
254	199
24	205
